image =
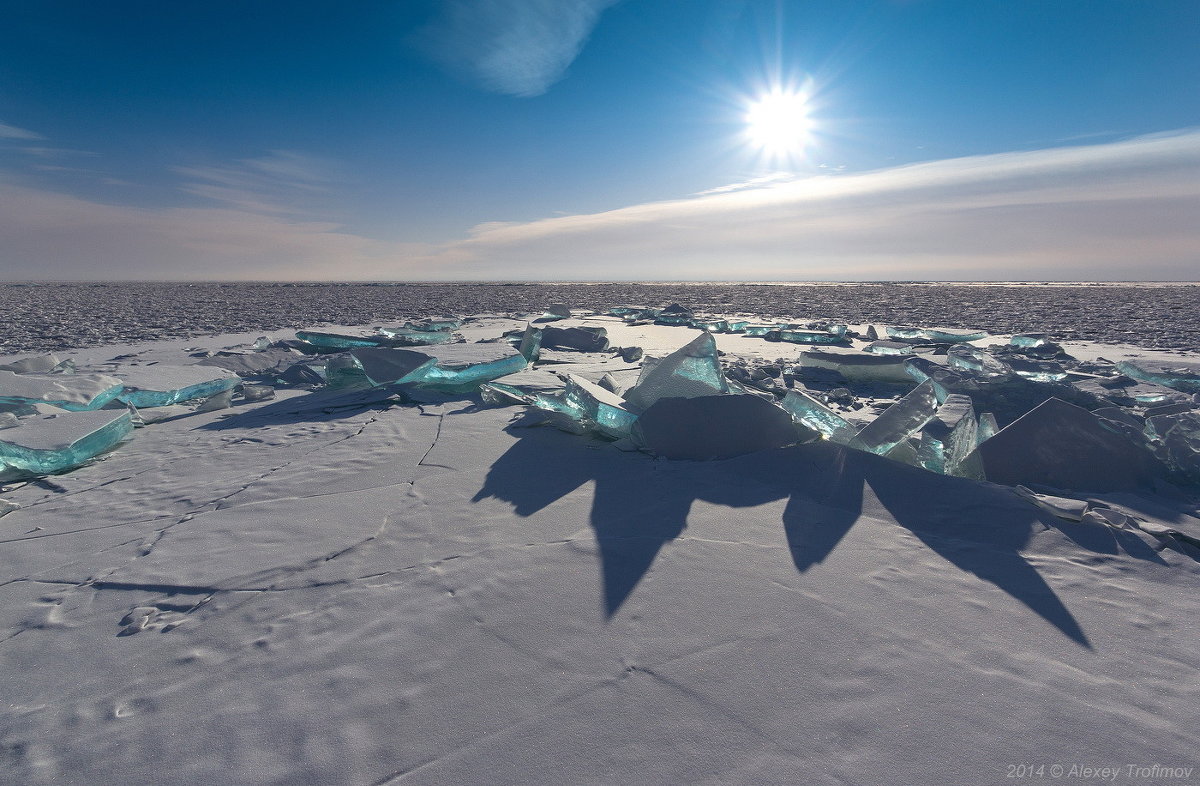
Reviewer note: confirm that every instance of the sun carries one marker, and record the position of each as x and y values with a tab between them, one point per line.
778	122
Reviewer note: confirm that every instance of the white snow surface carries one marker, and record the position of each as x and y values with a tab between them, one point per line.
332	589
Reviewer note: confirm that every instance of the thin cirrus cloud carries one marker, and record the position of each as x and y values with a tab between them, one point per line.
1117	211
12	132
280	182
513	47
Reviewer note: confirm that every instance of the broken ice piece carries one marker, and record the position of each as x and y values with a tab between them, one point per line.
327	340
1177	374
591	339
408	337
980	363
8	507
53	443
1061	445
1037	370
674	314
898	422
760	330
531	343
1062	507
715	427
800	336
461	366
1028	340
941	335
257	392
858	366
37	364
8	420
817	416
603	409
690	371
439	324
158	385
949	438
736	325
222	400
497	394
888	348
74	392
555	312
377	366
711	325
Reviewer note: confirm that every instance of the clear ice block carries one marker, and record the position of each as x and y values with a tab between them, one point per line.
326	340
603	409
977	362
53	443
858	366
74	392
987	427
1027	340
693	370
819	417
899	421
888	348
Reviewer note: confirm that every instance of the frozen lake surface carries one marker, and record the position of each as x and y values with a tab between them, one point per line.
53	316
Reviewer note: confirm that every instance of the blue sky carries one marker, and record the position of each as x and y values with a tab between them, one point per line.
595	140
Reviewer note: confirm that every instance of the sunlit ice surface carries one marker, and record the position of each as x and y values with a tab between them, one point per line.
778	122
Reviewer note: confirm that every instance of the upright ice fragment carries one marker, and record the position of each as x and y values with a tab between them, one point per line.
898	422
158	385
818	417
1028	340
53	443
604	410
987	427
376	366
67	391
948	439
976	361
693	370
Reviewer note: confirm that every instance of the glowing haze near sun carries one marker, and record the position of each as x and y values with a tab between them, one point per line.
778	122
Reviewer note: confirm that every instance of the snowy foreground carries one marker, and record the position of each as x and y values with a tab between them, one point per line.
334	587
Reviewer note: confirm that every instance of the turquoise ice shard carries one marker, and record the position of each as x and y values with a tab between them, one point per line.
439	324
940	335
690	371
899	421
980	363
948	439
1177	374
819	417
498	394
53	443
463	366
603	409
736	325
67	391
711	325
531	343
759	330
159	385
1027	340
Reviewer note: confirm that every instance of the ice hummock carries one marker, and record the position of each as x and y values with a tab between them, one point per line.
703	428
76	392
47	444
949	438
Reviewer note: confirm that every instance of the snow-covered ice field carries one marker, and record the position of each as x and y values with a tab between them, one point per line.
331	587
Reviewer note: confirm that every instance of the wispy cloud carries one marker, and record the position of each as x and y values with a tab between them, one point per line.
280	182
514	47
1128	209
12	132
